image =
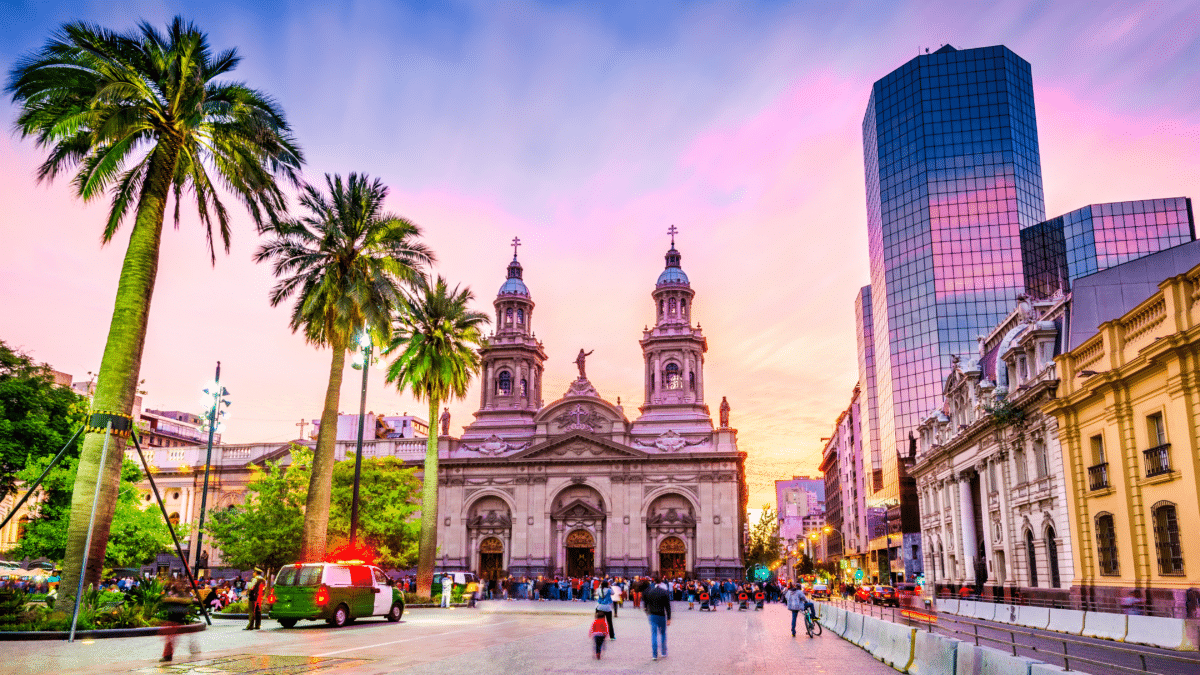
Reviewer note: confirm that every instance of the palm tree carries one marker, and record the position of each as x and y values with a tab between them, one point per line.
345	262
142	117
435	343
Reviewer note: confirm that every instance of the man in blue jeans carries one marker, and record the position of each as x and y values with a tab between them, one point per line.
658	610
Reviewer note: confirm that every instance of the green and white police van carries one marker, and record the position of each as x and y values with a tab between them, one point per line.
336	592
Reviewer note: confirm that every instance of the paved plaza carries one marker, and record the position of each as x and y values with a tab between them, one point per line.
503	638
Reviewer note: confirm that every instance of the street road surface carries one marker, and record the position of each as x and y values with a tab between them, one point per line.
509	638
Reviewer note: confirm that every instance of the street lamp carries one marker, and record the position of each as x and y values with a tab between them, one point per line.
218	395
360	361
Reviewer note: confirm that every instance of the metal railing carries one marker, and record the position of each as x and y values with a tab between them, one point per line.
1069	651
1098	476
1158	460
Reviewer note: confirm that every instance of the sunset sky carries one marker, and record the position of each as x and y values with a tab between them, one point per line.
587	129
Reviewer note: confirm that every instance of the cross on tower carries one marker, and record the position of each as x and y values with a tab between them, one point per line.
302	424
515	243
672	230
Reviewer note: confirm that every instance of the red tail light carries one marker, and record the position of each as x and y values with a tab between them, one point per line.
271	598
322	595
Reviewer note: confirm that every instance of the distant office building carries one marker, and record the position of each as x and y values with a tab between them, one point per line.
795	500
173	429
872	460
1094	238
377	427
953	173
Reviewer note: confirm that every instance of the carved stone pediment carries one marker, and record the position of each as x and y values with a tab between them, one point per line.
670	441
491	520
578	510
578	445
672	518
580	417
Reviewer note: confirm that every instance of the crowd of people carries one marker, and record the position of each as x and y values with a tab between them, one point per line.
587	589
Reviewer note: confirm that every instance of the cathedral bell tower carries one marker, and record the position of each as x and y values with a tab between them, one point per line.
674	350
511	363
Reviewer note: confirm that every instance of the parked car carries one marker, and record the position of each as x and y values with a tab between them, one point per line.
863	593
458	579
906	590
338	593
885	595
820	591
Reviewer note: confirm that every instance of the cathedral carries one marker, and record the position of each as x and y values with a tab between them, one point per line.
575	487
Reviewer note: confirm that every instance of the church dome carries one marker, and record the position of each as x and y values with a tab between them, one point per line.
673	274
513	285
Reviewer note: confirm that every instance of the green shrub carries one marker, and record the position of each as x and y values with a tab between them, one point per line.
420	600
239	607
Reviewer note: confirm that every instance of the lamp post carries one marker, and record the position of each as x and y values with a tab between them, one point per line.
364	342
217	393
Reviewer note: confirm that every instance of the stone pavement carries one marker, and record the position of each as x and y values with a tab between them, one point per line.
468	642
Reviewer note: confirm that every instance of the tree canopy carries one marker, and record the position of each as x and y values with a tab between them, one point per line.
764	546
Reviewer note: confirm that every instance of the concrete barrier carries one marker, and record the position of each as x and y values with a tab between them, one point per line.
872	634
1159	632
833	616
896	646
966	608
947	605
1033	617
1066	621
1046	669
982	610
839	626
996	662
1005	614
1105	625
854	627
968	660
933	654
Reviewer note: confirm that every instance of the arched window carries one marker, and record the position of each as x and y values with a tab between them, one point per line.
660	308
692	381
524	386
1106	545
1166	539
508	316
672	378
1052	556
504	383
1031	559
520	317
683	307
671	306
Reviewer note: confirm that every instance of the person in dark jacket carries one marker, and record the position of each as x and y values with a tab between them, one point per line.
658	610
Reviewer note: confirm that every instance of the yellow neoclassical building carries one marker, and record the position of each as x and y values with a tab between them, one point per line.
1128	410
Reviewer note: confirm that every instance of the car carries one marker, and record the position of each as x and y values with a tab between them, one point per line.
459	579
885	595
908	590
863	593
820	591
337	593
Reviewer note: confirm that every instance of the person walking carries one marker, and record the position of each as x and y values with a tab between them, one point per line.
255	591
658	610
604	606
447	586
796	602
598	631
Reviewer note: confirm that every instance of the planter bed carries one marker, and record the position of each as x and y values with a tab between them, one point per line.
7	636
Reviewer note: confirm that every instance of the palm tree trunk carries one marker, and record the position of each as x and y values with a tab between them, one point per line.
427	547
320	483
116	384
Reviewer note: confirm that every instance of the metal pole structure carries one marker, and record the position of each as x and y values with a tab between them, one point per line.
87	547
212	427
167	519
362	419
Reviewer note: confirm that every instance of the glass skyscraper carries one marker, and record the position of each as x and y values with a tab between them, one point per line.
953	174
1058	251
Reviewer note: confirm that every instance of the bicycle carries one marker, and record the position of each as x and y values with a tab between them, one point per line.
810	623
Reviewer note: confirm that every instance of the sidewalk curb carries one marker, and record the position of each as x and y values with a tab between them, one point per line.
14	636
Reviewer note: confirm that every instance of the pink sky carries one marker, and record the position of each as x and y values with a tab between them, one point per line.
587	134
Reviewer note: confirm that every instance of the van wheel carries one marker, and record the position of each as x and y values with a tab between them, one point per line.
341	616
395	612
287	623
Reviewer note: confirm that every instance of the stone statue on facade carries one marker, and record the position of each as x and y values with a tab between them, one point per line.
724	413
445	421
579	361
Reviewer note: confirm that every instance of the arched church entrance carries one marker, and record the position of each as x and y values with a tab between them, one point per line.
491	558
672	557
581	554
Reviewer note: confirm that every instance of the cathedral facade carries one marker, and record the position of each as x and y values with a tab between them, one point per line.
574	487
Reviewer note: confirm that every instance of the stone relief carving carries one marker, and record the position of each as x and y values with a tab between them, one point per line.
670	441
579	418
494	445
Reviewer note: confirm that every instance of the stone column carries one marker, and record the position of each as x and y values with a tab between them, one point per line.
966	511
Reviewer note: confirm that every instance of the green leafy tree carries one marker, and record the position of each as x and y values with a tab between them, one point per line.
345	262
36	416
266	529
435	354
764	547
137	534
805	566
144	116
